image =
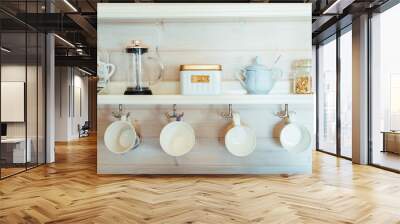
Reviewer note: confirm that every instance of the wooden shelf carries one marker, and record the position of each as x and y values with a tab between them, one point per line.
148	12
211	100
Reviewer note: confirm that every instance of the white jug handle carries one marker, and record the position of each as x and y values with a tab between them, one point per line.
236	119
161	66
111	70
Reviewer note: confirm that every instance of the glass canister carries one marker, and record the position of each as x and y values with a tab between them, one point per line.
302	81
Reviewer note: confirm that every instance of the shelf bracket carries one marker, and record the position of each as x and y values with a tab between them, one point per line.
228	115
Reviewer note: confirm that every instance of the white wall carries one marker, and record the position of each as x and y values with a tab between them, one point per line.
69	82
61	104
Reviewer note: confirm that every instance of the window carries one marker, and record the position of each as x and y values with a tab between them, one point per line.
334	106
346	94
327	97
385	89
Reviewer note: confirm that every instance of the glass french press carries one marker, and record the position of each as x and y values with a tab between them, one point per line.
138	49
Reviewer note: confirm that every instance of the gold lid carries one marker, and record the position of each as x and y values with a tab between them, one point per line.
201	67
302	63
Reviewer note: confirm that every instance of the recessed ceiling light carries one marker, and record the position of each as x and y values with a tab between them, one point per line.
84	71
64	40
70	5
337	7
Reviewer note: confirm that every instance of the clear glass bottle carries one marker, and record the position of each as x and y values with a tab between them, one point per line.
302	81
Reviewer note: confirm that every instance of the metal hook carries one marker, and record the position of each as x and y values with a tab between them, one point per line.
174	114
120	108
284	113
228	115
120	112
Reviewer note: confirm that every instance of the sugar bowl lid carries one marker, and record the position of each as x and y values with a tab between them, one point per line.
256	65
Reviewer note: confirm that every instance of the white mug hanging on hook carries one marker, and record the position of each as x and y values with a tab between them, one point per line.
120	136
240	140
293	136
177	138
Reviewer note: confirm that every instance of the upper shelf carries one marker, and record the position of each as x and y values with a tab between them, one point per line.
148	12
193	100
167	93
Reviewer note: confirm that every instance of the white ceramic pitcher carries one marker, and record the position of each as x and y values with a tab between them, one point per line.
104	72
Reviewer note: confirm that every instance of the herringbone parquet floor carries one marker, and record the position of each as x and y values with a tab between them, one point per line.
70	191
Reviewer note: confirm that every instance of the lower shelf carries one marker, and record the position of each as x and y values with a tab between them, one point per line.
209	156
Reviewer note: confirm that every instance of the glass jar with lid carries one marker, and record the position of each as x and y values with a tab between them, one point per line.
302	81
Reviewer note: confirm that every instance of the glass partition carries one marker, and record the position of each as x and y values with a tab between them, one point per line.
22	77
14	154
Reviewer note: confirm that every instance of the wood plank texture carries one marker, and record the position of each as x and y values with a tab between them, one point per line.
70	191
208	156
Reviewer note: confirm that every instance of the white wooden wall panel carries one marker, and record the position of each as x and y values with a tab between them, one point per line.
231	43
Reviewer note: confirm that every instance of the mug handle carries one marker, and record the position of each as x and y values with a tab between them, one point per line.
241	77
236	119
126	117
139	141
111	70
291	117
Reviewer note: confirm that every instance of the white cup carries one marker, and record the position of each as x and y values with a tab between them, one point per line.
294	137
104	72
120	136
177	138
240	140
